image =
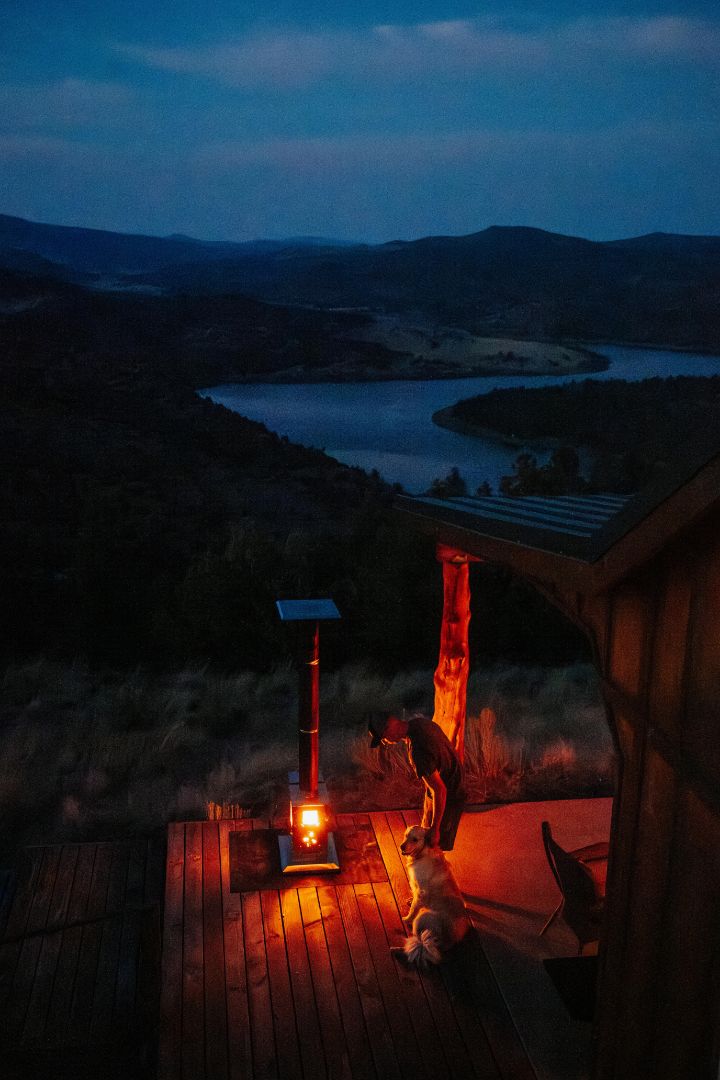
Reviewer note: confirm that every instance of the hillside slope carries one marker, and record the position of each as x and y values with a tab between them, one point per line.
513	282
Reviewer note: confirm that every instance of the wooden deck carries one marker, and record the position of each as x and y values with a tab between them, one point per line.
79	959
294	978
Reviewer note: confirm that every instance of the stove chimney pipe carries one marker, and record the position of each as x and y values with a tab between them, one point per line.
309	708
309	614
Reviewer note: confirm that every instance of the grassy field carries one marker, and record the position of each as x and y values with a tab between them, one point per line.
454	351
86	754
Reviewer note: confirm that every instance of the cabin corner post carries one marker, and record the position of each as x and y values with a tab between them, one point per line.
451	674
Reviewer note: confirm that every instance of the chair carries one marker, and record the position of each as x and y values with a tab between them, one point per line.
583	891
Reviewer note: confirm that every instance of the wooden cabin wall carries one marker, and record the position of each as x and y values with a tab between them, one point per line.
658	640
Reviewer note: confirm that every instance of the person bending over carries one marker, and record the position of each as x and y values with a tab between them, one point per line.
436	763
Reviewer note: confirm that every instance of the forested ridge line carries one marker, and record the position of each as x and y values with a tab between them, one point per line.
633	428
142	524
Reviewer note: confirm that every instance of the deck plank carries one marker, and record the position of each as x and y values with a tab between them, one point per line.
41	995
89	952
101	1024
170	1035
337	1058
394	864
429	1037
148	987
459	1059
360	858
488	1032
306	1013
216	1054
398	826
391	988
381	1040
193	996
124	1003
15	925
58	1018
25	972
299	983
236	990
464	1039
283	1007
345	986
465	1000
258	982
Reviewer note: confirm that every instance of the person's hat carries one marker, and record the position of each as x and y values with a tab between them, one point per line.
376	726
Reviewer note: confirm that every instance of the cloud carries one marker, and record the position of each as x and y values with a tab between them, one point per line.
285	59
290	58
67	103
664	38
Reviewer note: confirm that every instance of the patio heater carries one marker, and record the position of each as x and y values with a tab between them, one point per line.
310	846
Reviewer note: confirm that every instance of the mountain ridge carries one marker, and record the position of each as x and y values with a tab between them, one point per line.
511	281
35	235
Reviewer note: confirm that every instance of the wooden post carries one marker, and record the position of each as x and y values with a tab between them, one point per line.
451	674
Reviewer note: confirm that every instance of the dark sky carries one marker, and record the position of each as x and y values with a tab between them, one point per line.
388	120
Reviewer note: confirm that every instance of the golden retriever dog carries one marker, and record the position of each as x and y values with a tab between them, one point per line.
437	912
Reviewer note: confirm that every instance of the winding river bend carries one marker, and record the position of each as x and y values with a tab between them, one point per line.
388	425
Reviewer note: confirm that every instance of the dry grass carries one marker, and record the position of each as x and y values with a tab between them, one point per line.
460	349
85	753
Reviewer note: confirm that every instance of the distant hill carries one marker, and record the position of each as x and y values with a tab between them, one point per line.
660	289
96	251
194	339
517	282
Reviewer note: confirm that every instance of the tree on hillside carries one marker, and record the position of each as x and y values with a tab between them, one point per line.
558	476
450	487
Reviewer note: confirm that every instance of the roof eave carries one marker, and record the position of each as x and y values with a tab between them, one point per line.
532	562
629	541
613	559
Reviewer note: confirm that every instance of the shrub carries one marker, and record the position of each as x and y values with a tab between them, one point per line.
87	754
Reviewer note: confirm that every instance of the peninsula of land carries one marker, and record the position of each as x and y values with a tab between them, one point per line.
386	347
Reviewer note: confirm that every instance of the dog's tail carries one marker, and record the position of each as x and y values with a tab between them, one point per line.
423	949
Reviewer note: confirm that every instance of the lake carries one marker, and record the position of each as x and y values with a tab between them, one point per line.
387	425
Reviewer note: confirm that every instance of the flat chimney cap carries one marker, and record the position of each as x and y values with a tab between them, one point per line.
307	610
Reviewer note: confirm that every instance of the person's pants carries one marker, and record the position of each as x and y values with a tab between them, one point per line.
450	821
451	816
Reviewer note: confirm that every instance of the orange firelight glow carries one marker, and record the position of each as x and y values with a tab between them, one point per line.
451	674
309	817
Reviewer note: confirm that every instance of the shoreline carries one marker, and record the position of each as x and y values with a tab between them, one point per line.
700	350
593	363
443	418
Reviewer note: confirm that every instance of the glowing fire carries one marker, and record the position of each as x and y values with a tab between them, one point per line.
310	827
